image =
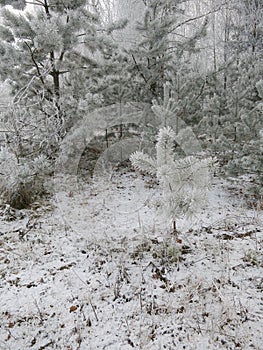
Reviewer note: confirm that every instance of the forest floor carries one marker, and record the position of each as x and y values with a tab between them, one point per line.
97	268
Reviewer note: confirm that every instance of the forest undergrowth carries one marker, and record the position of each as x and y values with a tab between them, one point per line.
79	272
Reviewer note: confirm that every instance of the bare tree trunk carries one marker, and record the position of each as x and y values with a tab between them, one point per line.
226	43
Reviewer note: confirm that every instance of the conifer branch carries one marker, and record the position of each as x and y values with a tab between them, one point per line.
196	18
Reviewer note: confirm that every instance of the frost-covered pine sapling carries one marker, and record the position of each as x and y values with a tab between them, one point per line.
184	182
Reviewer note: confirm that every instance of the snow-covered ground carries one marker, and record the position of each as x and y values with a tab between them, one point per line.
97	268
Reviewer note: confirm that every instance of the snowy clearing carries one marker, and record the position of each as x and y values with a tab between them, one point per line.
95	268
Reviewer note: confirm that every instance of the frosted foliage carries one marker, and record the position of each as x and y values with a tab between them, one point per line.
141	161
259	87
66	4
169	105
164	146
47	35
8	164
17	4
184	182
6	33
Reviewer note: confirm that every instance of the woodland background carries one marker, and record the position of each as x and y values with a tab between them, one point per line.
87	261
62	60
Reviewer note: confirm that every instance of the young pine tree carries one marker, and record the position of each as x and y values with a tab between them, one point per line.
184	181
158	54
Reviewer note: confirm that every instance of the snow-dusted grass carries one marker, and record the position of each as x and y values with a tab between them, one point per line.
97	269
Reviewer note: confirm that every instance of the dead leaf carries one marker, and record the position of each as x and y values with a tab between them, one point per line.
73	308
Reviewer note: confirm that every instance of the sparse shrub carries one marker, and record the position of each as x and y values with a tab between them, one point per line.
252	258
169	252
21	179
